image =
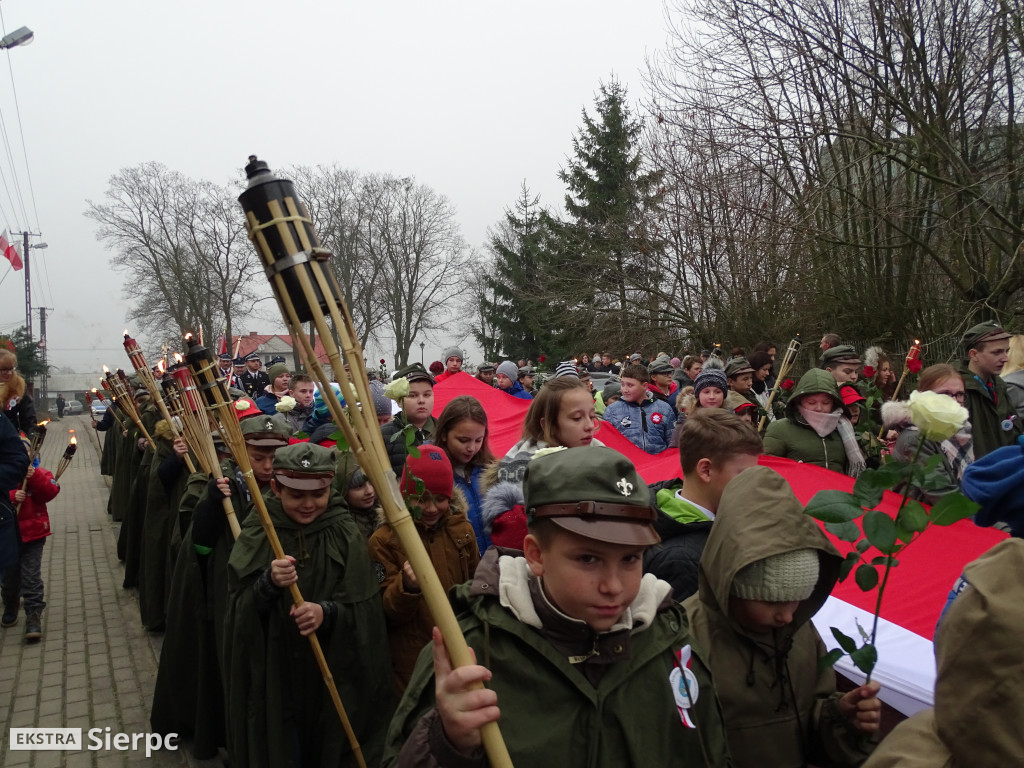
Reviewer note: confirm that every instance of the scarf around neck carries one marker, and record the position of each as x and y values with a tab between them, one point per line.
824	424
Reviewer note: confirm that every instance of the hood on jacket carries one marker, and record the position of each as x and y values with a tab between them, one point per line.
816	381
759	516
978	695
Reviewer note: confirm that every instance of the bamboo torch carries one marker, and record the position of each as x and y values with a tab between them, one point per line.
35	445
69	454
189	407
121	391
146	377
279	227
212	388
787	363
913	361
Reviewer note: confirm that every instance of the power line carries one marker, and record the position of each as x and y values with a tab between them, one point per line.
21	133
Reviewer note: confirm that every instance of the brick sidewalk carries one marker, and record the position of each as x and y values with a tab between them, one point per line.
95	666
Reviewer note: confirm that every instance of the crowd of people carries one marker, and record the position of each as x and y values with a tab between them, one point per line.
613	623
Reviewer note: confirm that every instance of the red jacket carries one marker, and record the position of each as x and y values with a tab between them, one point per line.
33	520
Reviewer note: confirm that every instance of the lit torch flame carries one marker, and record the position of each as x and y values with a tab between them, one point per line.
74	440
125	332
188	336
178	358
106	370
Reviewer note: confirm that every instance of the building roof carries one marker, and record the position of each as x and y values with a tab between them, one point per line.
270	343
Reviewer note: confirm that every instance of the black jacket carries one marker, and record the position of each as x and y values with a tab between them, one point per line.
676	559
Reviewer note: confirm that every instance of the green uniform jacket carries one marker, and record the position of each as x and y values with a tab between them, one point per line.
987	417
161	520
792	438
780	711
551	714
188	698
979	700
135	514
279	710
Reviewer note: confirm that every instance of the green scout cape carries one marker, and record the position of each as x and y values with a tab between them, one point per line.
279	710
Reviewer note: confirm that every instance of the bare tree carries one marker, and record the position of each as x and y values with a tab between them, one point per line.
886	135
411	232
182	245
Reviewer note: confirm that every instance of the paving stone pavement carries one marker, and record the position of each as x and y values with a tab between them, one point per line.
96	665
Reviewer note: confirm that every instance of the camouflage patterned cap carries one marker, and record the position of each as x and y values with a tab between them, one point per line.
592	491
305	466
265	432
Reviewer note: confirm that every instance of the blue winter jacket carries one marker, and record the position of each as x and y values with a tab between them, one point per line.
474	498
648	424
518	390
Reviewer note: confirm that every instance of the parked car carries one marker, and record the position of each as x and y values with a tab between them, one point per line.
99	409
71	408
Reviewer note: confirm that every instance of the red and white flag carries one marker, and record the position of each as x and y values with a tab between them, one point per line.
10	252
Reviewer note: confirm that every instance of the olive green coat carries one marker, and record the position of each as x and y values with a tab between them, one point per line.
979	700
780	711
552	715
279	711
792	438
987	417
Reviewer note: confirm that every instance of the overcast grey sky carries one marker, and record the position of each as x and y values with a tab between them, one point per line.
470	98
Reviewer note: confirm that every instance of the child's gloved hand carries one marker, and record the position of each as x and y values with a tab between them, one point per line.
862	707
308	617
282	572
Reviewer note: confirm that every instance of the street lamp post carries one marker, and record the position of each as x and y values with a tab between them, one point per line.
21	36
422	345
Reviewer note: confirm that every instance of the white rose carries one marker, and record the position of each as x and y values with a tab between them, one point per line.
285	404
397	389
937	416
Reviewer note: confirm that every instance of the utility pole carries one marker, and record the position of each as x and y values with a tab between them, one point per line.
28	277
43	386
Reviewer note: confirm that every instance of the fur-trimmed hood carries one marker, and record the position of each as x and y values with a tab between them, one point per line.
896	414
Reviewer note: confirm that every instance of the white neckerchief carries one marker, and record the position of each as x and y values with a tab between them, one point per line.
822	423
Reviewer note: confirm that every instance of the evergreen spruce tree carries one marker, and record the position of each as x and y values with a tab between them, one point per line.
612	203
518	309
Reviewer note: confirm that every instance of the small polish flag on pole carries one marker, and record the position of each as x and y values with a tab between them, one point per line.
10	252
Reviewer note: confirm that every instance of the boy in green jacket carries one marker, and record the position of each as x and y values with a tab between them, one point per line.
766	570
588	662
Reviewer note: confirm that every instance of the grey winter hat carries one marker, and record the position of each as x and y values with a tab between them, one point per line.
710	377
611	388
783	578
451	352
510	369
660	365
566	368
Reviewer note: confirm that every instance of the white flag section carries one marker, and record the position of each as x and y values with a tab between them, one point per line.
906	661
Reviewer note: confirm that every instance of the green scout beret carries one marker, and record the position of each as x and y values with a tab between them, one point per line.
984	332
737	366
592	491
414	372
265	432
305	466
842	354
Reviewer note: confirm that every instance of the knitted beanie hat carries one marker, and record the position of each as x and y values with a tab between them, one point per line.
611	389
567	368
782	578
276	370
433	468
710	377
510	369
381	402
451	352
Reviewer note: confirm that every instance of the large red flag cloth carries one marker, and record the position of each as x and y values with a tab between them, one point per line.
915	595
